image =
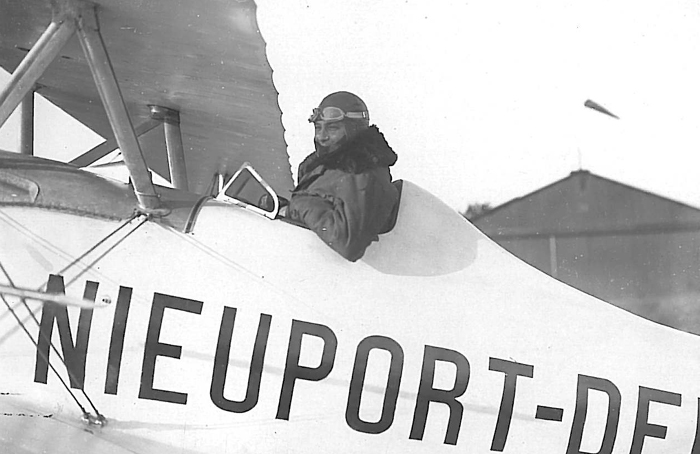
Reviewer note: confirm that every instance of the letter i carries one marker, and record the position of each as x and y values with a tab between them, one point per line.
116	345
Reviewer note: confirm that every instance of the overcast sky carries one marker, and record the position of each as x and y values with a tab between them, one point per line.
483	100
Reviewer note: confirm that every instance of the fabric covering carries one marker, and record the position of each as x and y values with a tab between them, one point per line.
346	197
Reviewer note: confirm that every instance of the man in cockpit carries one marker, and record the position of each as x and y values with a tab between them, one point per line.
345	193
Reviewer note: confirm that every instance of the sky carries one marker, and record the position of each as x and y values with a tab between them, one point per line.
483	100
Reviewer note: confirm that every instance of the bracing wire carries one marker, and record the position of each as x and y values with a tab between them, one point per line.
102	255
100	417
96	245
36	344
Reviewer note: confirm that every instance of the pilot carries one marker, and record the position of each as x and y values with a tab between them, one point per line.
345	193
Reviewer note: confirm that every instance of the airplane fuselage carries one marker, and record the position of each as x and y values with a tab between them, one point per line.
220	330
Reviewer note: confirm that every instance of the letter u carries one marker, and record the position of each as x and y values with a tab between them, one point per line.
223	349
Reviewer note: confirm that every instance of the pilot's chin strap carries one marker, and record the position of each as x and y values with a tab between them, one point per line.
87	417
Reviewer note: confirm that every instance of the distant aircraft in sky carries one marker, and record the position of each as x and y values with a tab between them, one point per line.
595	106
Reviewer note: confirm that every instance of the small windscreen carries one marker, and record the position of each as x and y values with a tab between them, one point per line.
247	189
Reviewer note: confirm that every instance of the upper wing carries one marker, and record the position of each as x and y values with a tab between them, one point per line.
205	59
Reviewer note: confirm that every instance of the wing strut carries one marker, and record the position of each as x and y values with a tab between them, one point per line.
70	16
173	143
107	86
108	146
26	136
34	64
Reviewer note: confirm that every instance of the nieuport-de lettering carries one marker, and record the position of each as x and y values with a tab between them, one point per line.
510	372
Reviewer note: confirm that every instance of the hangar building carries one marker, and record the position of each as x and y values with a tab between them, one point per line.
635	249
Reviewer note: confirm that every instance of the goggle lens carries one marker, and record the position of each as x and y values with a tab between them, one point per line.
334	114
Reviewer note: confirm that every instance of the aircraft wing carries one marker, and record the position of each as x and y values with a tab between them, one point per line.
204	59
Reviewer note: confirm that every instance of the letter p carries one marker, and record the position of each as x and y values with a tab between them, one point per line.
292	369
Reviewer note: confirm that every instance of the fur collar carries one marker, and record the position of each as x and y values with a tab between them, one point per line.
365	151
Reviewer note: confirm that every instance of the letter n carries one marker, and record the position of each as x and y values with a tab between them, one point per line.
74	354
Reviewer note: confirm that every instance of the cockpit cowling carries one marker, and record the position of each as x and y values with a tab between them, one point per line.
428	239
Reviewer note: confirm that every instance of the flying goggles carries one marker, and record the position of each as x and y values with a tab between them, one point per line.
335	114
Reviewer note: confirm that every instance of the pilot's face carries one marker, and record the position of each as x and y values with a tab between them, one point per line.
329	135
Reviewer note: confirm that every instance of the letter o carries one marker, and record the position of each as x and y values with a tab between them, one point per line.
391	394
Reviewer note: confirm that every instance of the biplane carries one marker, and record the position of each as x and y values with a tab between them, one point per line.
137	318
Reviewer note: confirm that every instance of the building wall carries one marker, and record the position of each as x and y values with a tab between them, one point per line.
656	276
584	202
633	249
